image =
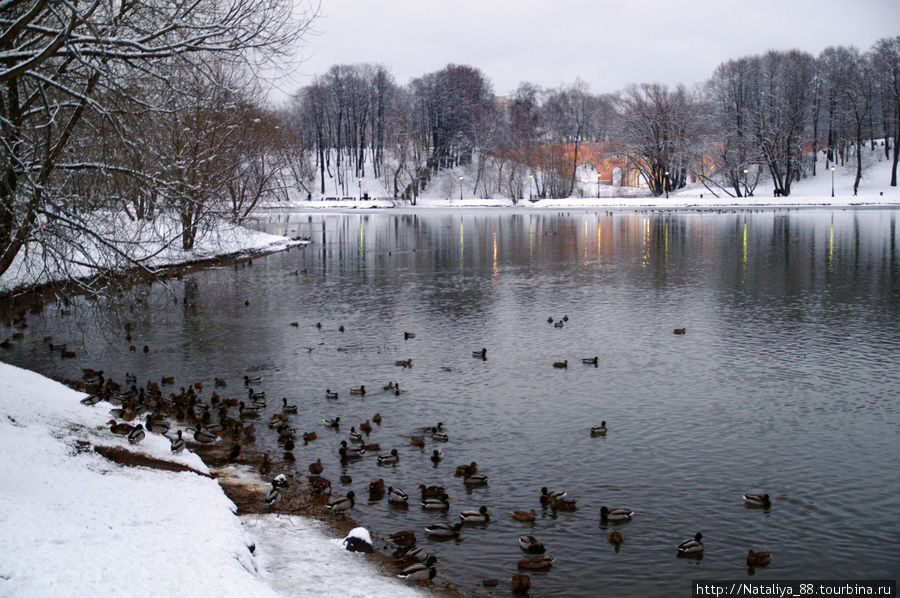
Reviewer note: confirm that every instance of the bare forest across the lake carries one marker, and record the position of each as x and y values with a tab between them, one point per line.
149	113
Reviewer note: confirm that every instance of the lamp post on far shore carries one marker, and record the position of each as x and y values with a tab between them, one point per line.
530	187
832	181
667	184
460	187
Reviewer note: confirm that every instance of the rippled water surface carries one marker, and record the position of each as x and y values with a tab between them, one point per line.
787	380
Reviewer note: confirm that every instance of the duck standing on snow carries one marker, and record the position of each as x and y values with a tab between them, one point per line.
177	444
136	434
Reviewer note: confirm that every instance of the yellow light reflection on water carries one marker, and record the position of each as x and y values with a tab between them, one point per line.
495	254
461	245
744	244
830	246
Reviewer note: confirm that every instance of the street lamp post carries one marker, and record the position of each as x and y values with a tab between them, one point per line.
460	187
360	189
530	187
832	181
598	185
745	183
667	184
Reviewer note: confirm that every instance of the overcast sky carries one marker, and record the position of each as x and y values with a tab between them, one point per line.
608	44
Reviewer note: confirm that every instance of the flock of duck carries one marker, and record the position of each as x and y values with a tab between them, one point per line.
137	411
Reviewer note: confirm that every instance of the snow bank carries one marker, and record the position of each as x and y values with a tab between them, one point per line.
74	524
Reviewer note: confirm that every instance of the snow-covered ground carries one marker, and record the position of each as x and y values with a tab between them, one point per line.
73	523
224	239
443	191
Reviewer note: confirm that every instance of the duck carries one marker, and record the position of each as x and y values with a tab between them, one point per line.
437	455
389	459
559	324
136	434
254	380
285	408
234	453
266	466
474	479
220	382
350	452
561	364
280	481
615	537
590	360
332	422
443	530
366	427
439	436
316	468
691	546
274	495
680	330
615	515
758	500
758	559
422	572
119	429
249	411
342	503
482	515
177	444
90	400
536	563
548	496
531	545
355	436
561	504
157	426
461	469
330	394
377	418
403	363
309	437
549	319
360	390
480	354
441	503
520	583
376	488
397	496
408	335
371	446
416	554
418	441
599	430
403	538
527	516
431	491
320	485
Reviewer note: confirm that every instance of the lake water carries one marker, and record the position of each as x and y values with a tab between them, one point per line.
787	380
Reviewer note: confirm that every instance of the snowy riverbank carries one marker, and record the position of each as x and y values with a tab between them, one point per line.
73	523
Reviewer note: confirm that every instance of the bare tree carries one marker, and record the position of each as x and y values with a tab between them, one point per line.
659	130
62	60
886	62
